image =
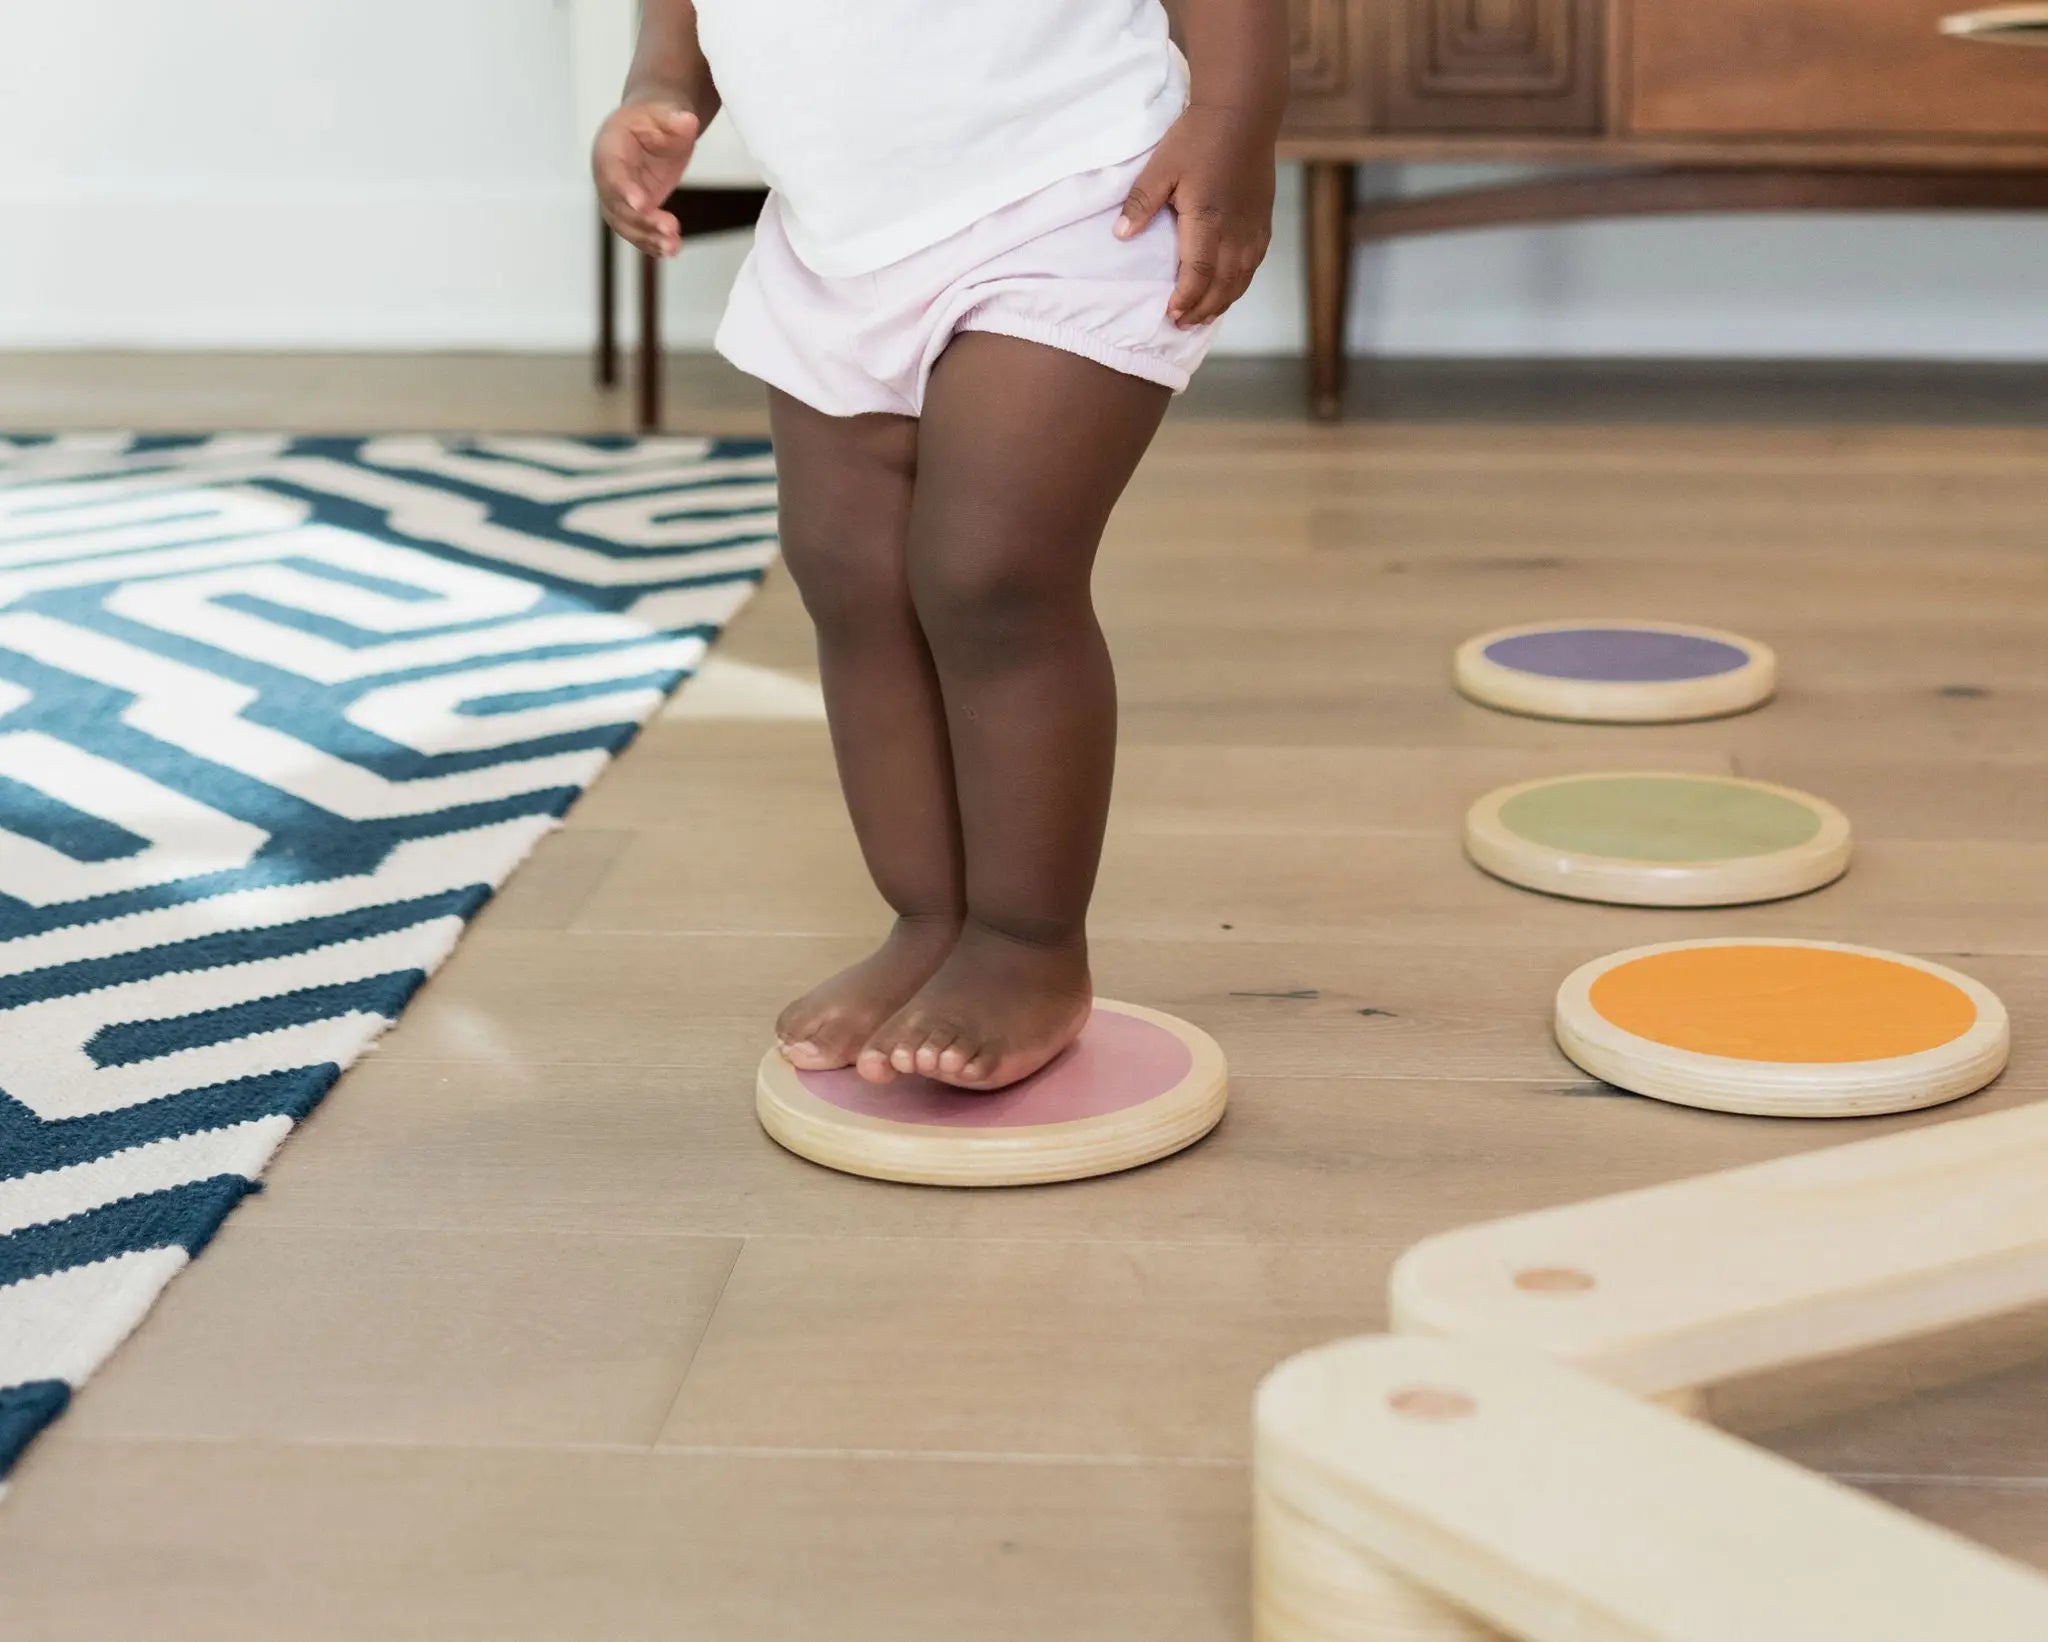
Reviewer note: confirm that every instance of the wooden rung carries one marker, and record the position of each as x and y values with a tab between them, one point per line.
1559	1509
1681	1286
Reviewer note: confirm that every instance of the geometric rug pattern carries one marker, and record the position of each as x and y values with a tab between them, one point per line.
277	715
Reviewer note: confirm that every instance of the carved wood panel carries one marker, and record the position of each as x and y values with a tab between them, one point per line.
1330	62
1491	65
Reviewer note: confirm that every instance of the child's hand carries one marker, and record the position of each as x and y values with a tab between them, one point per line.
1216	171
639	156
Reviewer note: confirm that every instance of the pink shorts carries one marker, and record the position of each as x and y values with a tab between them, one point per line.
1047	269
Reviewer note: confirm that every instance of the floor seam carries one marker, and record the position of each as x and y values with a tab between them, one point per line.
1336	1240
697	1346
937	1456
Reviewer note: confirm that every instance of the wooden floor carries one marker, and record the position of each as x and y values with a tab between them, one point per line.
535	1336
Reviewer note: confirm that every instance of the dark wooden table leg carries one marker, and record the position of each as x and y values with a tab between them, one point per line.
607	306
1329	185
650	343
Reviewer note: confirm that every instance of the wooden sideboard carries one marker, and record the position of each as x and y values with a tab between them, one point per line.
1683	105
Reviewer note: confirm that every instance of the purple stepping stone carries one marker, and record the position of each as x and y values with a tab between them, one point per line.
1617	655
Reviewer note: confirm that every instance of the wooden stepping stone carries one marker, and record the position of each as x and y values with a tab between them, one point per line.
1136	1086
1616	672
1782	1027
1658	840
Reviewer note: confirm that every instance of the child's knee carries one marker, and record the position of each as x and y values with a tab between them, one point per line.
993	609
846	581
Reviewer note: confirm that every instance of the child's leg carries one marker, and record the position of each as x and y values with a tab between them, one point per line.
845	487
1022	453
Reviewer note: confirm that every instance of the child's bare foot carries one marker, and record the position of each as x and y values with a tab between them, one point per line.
995	1011
826	1027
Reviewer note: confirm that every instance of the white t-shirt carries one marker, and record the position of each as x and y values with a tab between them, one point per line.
887	125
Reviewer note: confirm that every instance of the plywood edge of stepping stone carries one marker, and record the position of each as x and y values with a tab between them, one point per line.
1658	838
1137	1086
1610	671
1782	1028
1681	1287
1559	1509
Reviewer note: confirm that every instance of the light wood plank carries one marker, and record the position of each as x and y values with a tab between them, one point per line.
555	882
256	1542
1449	1463
691	776
508	1335
803	873
1988	799
921	1345
1199	704
1681	1286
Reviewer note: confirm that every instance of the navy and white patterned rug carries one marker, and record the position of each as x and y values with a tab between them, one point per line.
276	717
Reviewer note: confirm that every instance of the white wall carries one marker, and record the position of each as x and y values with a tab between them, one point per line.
288	172
408	173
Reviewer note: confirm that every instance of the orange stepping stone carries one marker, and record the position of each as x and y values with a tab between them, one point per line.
1782	1027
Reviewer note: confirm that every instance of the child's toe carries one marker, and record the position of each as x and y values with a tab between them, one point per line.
934	1046
823	1044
